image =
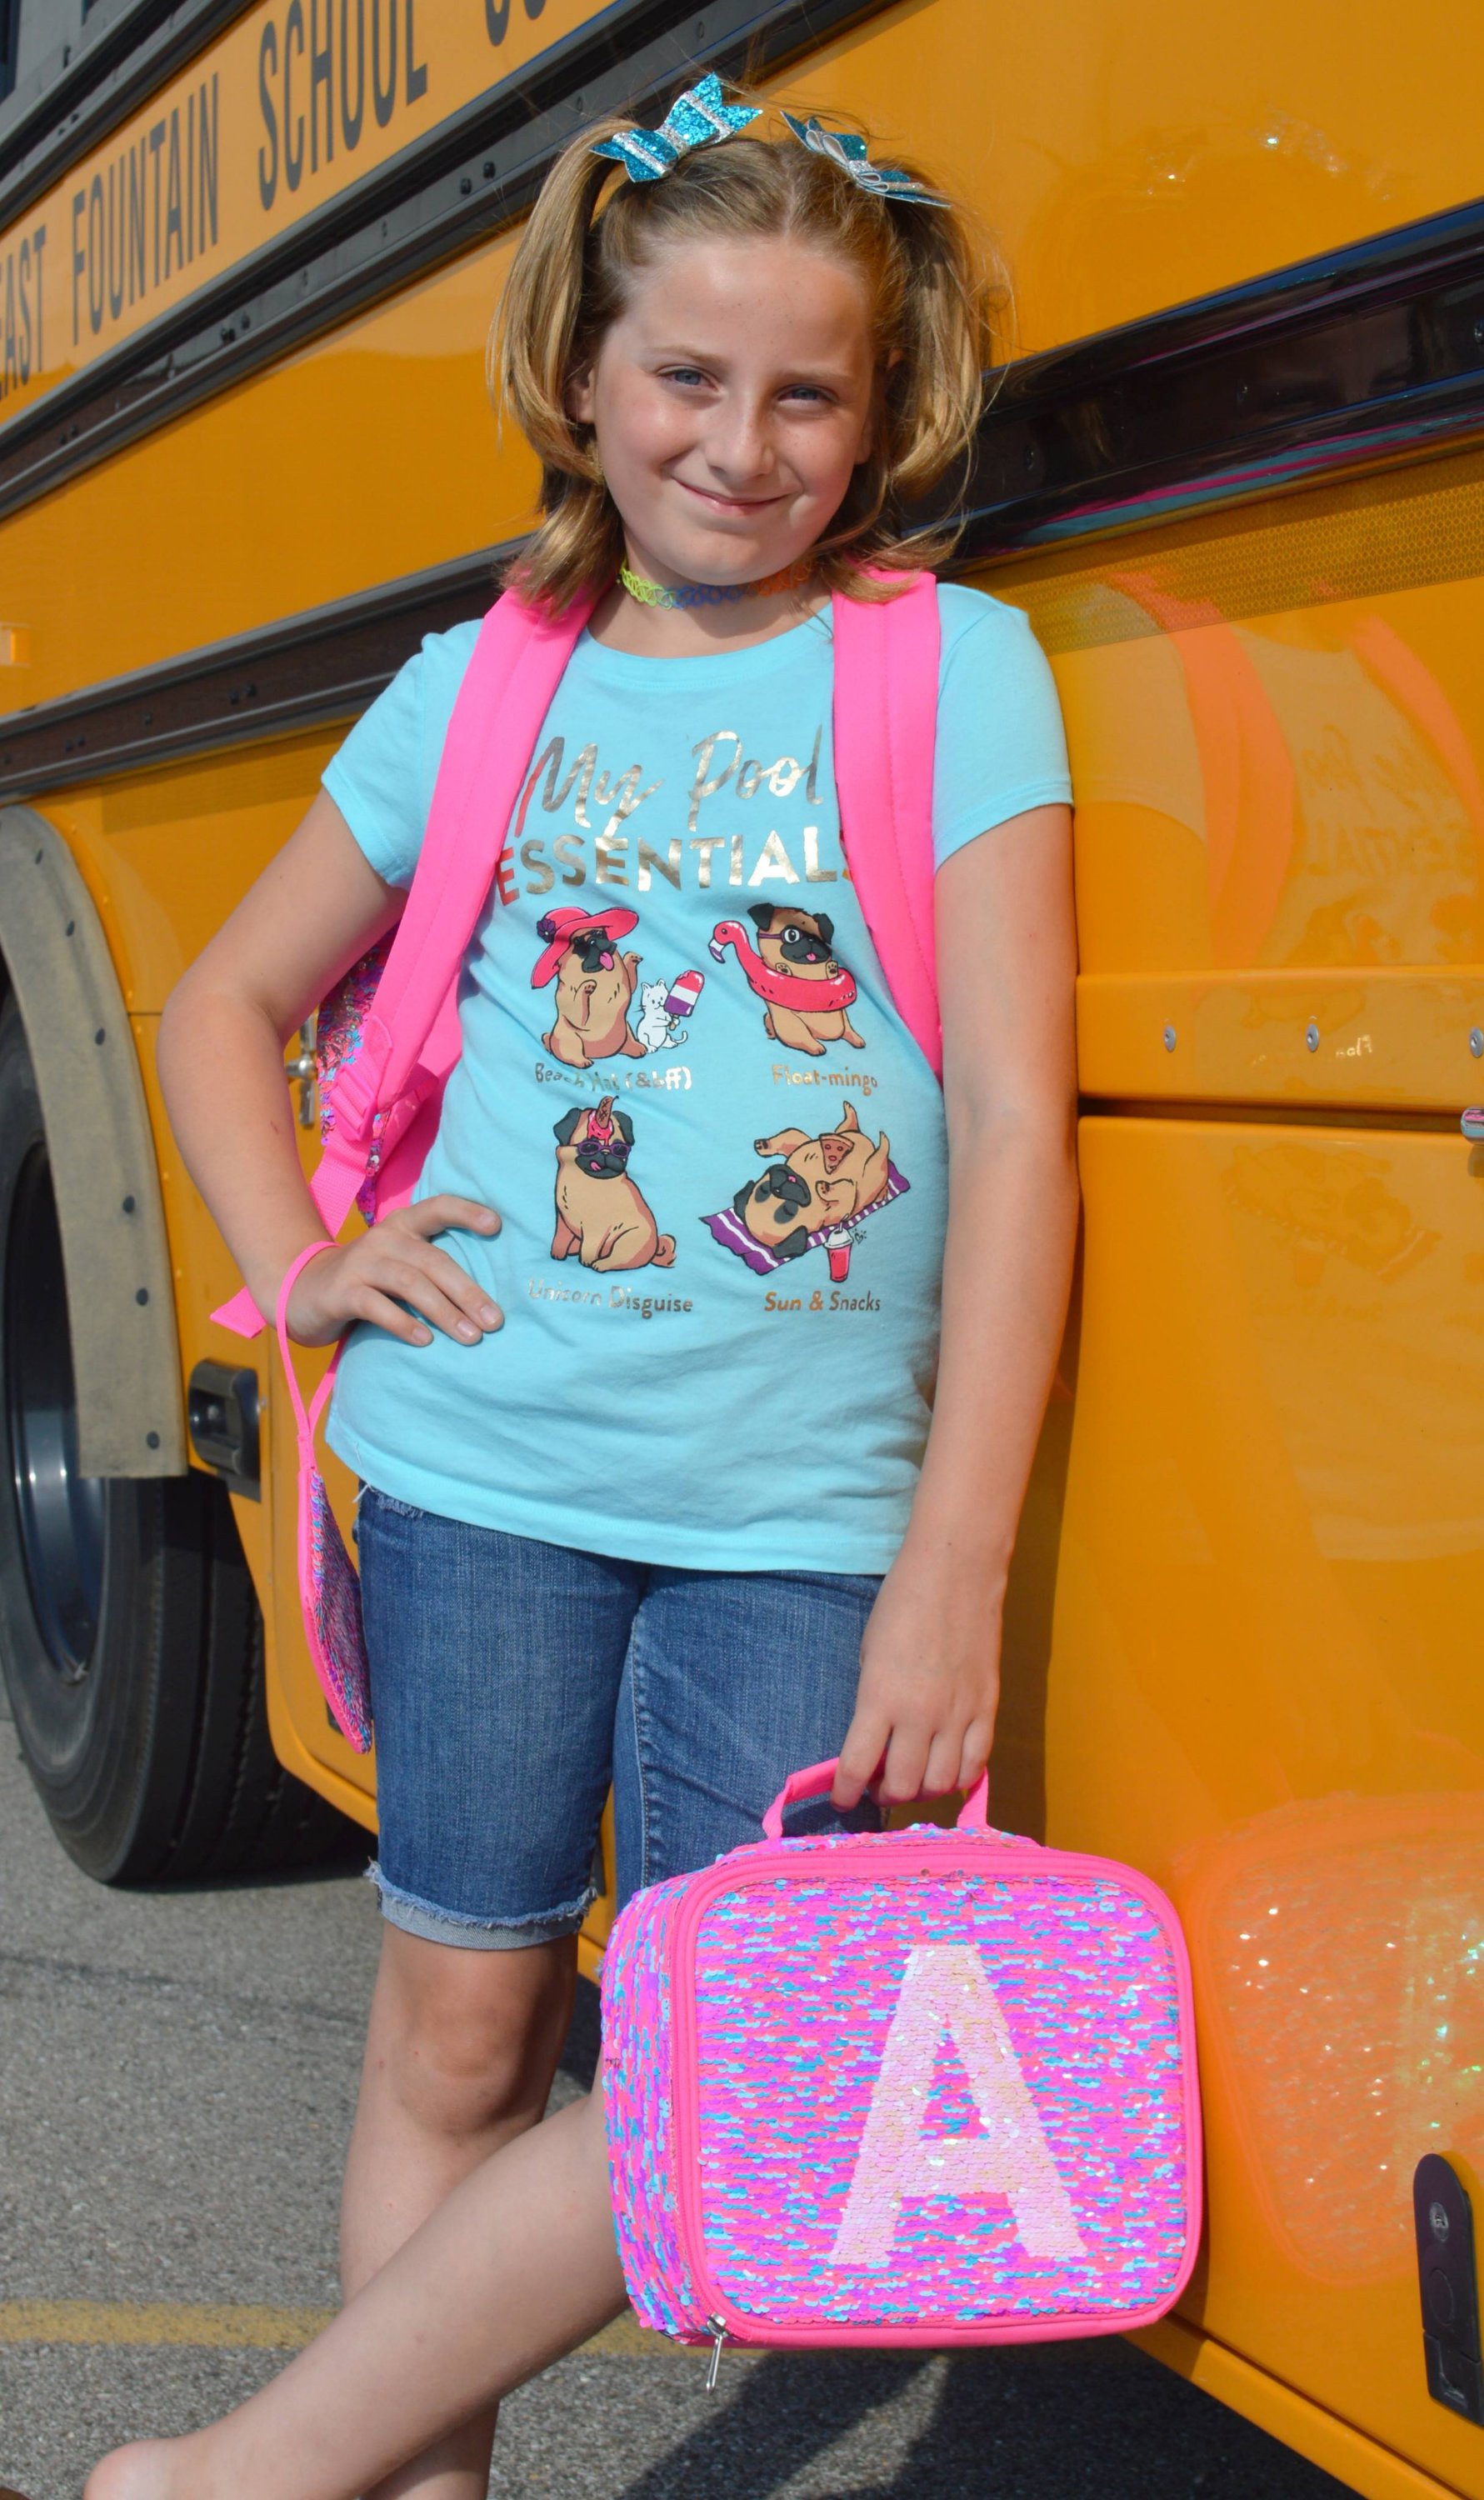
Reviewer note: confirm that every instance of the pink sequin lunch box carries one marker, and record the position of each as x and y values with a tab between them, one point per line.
924	2086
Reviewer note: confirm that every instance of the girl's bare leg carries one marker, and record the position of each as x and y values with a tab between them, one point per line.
515	2267
460	2051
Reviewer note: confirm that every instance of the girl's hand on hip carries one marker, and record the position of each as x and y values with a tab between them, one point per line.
394	1263
930	1681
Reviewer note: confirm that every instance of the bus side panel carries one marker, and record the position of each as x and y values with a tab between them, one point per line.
303	1737
1261	1542
1264	1690
167	853
166	856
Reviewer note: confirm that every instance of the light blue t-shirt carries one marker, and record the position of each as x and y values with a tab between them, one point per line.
718	1155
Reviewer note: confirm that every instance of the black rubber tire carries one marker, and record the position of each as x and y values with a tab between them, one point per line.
130	1635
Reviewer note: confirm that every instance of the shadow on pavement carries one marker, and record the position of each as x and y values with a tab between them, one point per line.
1066	2423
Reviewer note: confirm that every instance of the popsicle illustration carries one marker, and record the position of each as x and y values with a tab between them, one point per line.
683	993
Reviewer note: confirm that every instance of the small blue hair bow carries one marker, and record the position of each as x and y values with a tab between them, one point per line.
694	121
849	152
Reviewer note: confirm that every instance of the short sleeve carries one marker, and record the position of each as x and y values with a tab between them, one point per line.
1001	745
381	777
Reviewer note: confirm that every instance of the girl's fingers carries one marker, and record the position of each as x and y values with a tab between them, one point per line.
395	1262
411	1283
914	1761
447	1213
974	1759
463	1289
860	1757
906	1759
945	1754
382	1313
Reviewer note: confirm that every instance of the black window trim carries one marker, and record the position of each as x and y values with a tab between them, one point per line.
87	84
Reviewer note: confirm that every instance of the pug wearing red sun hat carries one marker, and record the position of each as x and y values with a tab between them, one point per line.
594	984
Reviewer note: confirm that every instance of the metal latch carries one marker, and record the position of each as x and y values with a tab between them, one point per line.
221	1411
716	2328
302	1071
1472	1125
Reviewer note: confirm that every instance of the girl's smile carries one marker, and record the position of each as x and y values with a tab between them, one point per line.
719	503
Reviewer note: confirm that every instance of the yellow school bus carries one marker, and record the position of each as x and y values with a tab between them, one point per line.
1231	468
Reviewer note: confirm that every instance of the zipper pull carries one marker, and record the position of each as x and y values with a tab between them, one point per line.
718	2334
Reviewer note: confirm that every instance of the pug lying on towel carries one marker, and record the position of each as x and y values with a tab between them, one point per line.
825	1180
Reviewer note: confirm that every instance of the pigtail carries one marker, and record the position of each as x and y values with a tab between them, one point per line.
934	391
546	322
935	301
945	343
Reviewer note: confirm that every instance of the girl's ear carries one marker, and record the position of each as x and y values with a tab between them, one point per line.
578	397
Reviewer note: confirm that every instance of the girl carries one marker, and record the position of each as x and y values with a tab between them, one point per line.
639	1388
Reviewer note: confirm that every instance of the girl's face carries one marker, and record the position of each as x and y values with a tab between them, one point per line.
731	401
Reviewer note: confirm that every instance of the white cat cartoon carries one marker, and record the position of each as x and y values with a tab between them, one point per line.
656	1027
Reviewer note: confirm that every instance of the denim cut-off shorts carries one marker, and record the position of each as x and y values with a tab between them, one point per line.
513	1681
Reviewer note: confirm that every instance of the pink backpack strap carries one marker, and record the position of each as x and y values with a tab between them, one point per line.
886	670
513	675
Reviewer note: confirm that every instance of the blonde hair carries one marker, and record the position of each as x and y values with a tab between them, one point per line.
592	227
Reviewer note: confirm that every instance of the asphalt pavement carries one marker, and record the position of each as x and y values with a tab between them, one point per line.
178	2075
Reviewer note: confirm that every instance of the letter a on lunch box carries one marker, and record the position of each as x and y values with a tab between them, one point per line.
946	1995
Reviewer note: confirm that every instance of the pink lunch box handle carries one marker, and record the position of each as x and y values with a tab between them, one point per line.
819	1778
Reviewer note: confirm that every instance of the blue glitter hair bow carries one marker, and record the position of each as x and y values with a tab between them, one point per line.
694	121
849	152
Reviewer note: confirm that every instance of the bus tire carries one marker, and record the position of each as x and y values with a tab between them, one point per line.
130	1635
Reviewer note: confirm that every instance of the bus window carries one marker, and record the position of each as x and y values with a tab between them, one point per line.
9	17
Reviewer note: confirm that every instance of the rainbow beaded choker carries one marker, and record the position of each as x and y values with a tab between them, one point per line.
708	594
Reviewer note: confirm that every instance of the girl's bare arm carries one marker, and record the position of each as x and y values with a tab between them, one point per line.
1006	963
313	914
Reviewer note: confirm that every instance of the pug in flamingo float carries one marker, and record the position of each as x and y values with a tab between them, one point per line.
806	992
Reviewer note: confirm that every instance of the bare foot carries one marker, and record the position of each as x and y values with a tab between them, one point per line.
142	2471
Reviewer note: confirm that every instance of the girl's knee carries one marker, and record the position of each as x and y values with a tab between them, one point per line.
469	2040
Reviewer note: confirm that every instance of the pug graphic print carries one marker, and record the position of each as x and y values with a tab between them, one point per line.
717	1155
601	1218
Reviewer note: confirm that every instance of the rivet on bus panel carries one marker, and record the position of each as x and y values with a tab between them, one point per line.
1311	1037
1170	1036
1476	1043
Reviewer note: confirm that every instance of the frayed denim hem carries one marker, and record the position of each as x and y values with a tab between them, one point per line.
424	1918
